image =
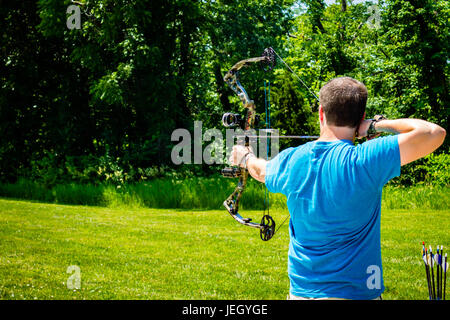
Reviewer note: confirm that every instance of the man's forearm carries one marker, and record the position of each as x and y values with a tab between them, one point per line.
257	168
417	138
405	125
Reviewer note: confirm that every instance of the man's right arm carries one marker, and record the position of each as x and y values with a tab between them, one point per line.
416	139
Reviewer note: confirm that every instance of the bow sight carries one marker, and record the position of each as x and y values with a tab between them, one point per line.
232	120
236	120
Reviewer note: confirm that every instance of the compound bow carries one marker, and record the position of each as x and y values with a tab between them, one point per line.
268	61
267	224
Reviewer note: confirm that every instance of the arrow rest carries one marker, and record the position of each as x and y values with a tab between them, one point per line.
231	172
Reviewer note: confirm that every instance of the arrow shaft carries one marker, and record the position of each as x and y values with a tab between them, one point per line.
432	274
287	137
445	274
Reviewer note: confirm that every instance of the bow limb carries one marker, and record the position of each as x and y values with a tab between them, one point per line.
232	202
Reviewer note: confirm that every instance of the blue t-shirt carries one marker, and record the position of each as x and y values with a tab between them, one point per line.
333	192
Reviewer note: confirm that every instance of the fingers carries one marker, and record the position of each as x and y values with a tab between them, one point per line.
363	127
238	153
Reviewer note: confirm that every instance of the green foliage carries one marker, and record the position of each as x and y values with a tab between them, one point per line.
82	169
46	170
438	169
430	170
416	197
99	104
197	193
403	63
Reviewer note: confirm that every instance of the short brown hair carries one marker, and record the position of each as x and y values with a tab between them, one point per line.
343	100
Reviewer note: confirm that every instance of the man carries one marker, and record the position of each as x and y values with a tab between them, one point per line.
333	191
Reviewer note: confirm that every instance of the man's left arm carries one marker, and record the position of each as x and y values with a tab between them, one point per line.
245	158
274	173
257	168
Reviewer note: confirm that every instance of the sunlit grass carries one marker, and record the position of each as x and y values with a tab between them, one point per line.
135	254
174	254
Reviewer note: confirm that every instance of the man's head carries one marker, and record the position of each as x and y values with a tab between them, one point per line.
343	101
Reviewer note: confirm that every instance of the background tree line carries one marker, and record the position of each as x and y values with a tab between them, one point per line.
100	103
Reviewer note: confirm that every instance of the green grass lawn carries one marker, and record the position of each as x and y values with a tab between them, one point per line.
174	254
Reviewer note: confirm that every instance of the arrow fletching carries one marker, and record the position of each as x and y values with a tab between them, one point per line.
431	258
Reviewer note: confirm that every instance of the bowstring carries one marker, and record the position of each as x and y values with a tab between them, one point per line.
267	109
298	78
310	91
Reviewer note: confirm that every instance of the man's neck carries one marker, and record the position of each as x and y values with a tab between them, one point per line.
332	133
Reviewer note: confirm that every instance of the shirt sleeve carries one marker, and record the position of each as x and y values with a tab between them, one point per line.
277	172
379	160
